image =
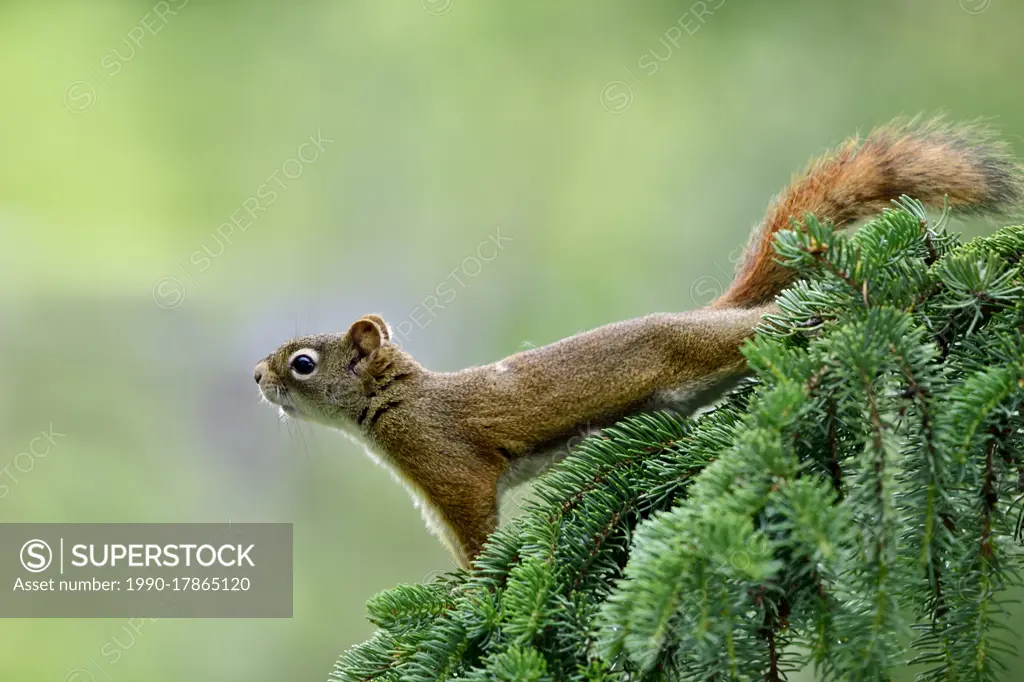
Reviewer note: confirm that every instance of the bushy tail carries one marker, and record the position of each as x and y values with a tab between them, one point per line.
929	161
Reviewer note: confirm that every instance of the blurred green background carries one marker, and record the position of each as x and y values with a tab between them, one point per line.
621	160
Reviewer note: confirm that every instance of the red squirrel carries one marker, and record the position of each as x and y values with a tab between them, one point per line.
457	440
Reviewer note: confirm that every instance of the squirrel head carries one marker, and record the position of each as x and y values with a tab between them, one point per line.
330	378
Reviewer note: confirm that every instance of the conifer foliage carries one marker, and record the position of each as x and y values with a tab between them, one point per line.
852	509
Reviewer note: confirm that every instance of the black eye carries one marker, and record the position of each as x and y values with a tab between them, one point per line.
303	364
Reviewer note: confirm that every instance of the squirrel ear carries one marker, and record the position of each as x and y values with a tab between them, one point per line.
368	333
385	330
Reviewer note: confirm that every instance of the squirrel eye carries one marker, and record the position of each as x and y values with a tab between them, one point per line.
303	364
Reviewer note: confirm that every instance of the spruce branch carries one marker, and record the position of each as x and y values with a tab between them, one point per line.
851	509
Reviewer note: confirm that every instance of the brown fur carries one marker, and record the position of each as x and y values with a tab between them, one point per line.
456	438
931	162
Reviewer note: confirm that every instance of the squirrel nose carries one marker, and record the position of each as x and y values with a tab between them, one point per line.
258	372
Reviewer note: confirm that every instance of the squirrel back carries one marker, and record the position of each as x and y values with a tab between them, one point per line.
932	162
